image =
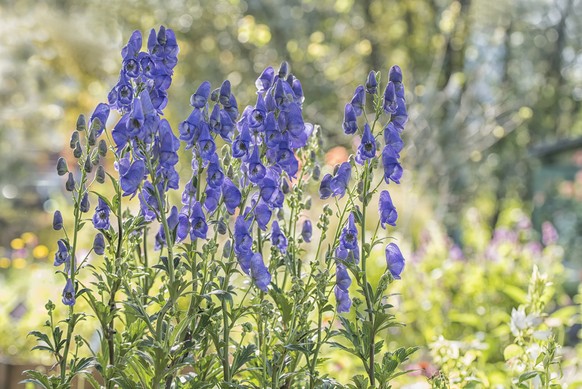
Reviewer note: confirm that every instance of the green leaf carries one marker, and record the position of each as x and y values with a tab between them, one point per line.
242	356
527	376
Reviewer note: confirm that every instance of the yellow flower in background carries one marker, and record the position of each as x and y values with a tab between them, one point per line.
19	263
17	244
4	263
28	238
40	251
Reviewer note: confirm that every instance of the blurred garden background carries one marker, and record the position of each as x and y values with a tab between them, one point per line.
492	157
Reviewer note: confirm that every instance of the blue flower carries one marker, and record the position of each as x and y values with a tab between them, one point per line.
148	202
183	227
224	96
394	260
371	83
231	195
168	145
395	74
133	46
258	115
278	239
342	277
69	293
265	80
214	120
199	99
350	124
298	91
388	214
392	169
269	186
212	199
367	148
198	228
325	187
262	213
85	204
205	142
242	144
190	128
390	104
257	170
349	234
101	216
306	231
57	220
189	193
243	242
259	272
131	175
99	244
359	100
102	113
392	138
62	255
340	182
343	300
215	176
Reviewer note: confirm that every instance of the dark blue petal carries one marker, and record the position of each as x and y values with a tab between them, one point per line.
394	260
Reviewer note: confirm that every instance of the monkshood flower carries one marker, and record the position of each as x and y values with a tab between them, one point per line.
200	97
307	231
62	255
336	185
394	260
69	293
278	239
172	221
390	104
262	212
350	124
358	101
70	184
349	234
243	242
131	175
57	220
371	83
342	277
367	148
388	214
148	203
100	113
259	272
392	168
99	244
343	300
101	216
198	228
230	195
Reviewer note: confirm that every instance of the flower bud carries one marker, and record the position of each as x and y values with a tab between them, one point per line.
95	157
316	172
85	205
102	148
226	250
283	70
214	95
81	124
88	166
74	139
77	152
100	174
62	168
285	187
57	220
70	184
308	203
221	227
91	137
99	244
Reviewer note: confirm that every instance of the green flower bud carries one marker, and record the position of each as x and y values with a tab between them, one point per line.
102	148
74	139
81	124
100	174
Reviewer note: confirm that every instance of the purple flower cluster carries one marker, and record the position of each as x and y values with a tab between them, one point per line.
394	105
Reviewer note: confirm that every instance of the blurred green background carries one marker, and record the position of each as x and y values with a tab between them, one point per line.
494	92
